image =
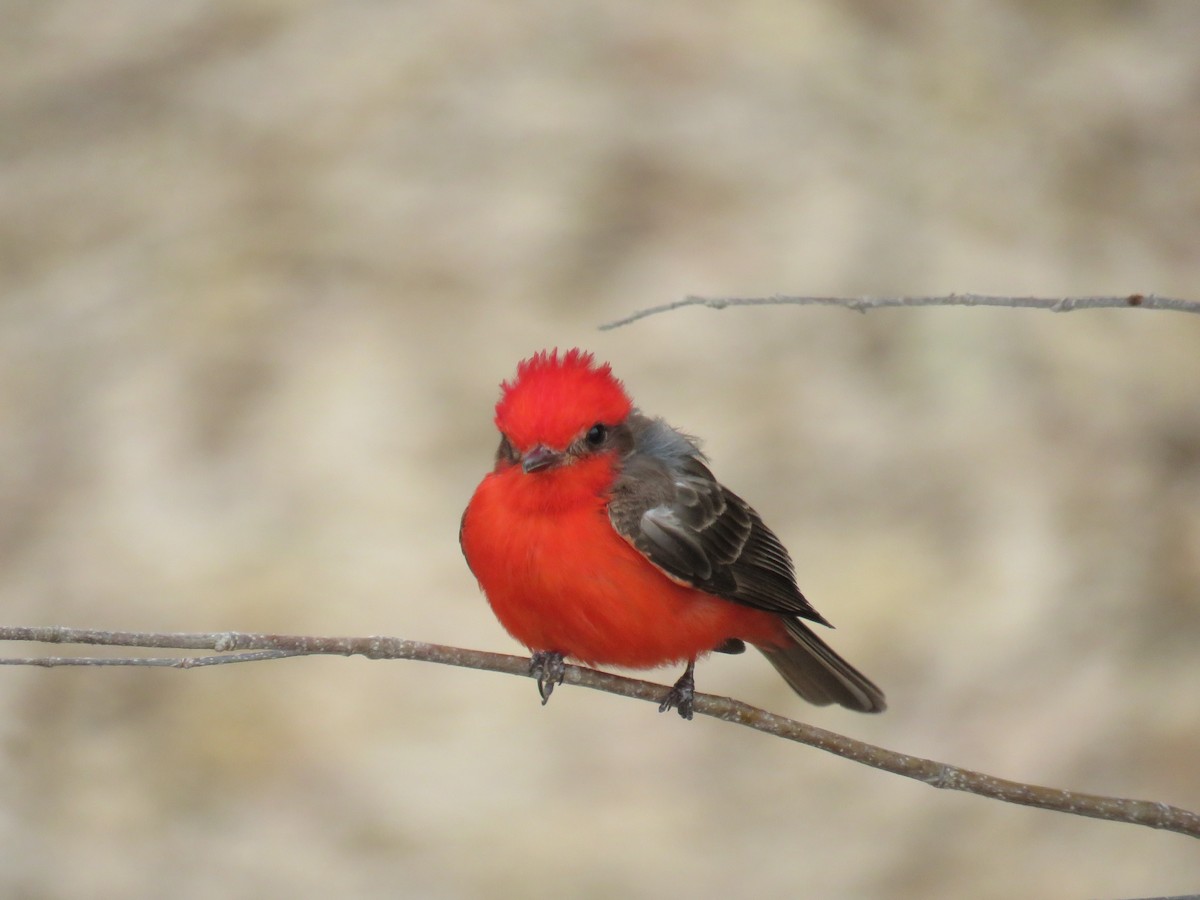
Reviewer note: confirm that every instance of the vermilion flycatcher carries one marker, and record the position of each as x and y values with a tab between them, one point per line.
601	535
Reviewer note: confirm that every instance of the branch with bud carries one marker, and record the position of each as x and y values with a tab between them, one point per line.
866	304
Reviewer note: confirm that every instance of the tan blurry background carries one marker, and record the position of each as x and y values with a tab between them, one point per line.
262	267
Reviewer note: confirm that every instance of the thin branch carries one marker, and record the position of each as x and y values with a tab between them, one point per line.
165	662
931	772
865	304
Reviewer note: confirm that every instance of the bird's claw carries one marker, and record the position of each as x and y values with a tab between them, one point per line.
682	696
547	667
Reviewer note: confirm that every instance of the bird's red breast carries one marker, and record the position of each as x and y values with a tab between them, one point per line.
559	577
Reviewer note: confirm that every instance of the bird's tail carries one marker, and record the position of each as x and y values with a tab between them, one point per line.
819	675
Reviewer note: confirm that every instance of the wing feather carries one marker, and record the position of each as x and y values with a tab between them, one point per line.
667	504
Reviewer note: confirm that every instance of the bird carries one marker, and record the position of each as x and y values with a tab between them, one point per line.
601	535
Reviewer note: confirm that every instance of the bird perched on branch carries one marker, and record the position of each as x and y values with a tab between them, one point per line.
602	536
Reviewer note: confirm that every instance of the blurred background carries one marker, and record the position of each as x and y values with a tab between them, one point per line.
263	266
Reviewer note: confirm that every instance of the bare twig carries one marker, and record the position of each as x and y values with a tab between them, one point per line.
865	304
164	662
249	647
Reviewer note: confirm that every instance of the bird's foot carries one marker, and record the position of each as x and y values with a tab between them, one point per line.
682	696
547	667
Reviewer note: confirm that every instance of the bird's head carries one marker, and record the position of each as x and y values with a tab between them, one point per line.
560	410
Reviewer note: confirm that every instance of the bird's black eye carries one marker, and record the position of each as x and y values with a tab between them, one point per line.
596	435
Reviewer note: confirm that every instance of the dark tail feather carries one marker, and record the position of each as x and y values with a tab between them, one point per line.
819	675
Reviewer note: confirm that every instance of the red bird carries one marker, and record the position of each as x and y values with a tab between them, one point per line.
601	535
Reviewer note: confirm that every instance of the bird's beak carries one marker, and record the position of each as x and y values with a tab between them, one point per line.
540	457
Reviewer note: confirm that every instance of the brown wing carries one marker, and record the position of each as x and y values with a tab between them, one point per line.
670	507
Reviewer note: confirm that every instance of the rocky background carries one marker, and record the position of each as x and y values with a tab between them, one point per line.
263	266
